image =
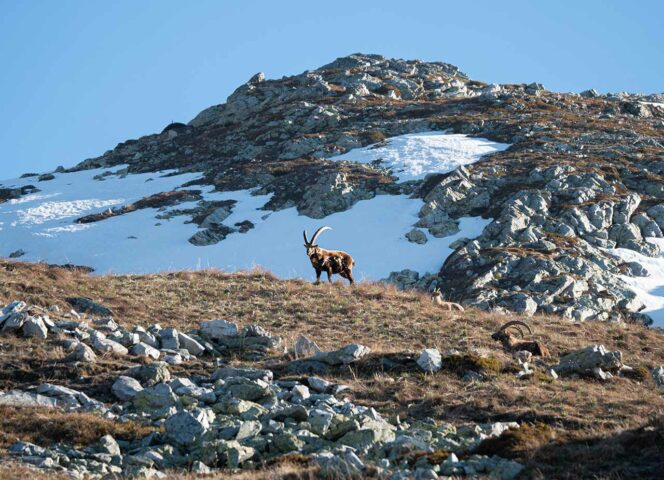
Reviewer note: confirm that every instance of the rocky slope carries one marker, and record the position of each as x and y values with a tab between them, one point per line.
583	175
365	395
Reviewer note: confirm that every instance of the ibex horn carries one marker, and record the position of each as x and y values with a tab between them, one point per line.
318	232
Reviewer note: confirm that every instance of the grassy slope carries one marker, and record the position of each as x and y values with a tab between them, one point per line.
571	417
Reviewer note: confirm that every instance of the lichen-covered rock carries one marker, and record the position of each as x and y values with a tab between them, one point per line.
153	398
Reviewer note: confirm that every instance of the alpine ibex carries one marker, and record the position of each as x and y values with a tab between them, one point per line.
513	344
437	298
329	261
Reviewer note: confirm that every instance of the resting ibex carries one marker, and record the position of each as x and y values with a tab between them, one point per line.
329	261
513	344
437	298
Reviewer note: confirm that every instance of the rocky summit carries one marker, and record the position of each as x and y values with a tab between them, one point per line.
573	204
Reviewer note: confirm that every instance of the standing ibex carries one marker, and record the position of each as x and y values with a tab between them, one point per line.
513	344
329	261
437	298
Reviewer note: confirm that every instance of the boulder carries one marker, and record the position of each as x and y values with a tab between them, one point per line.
126	388
218	329
417	236
144	350
154	398
190	344
82	353
430	360
305	347
343	356
150	374
169	339
34	327
108	445
18	398
104	345
186	428
342	465
11	309
246	389
586	360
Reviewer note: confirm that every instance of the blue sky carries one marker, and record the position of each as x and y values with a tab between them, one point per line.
77	77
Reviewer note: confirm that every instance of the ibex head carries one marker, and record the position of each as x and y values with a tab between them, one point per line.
436	294
503	334
310	245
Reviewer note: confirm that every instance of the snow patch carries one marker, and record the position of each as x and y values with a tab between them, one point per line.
649	289
373	231
413	156
53	211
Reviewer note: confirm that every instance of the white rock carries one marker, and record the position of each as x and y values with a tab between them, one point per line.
145	350
430	360
34	327
658	376
104	345
190	344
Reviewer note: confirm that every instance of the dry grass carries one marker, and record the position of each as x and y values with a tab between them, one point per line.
45	426
394	324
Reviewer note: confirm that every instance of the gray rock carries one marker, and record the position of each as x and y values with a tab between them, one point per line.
250	373
126	388
248	429
199	468
107	444
658	376
169	339
586	360
150	374
246	389
34	327
13	322
186	428
417	236
318	384
82	353
305	347
236	454
153	398
11	309
105	345
343	356
287	442
146	351
87	305
190	344
218	329
430	360
18	398
342	465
